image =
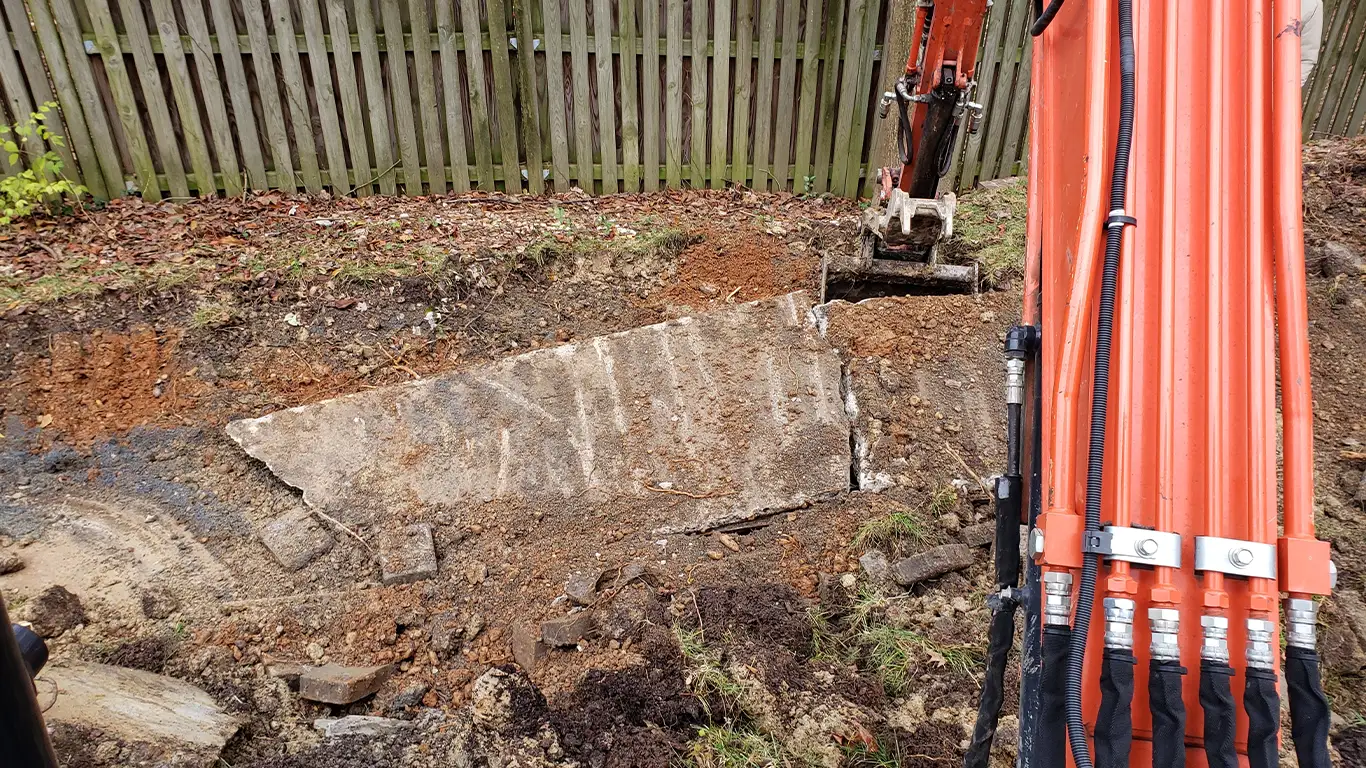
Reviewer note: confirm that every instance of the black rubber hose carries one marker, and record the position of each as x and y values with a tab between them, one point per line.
1050	748
1044	18
1308	707
1168	713
1031	652
1263	707
1100	397
23	736
1216	700
1115	721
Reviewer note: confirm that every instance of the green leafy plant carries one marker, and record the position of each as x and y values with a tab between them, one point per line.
41	185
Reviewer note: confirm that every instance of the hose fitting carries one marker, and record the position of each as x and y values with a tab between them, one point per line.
1260	648
1015	381
1214	646
1165	627
1302	618
1119	623
1057	599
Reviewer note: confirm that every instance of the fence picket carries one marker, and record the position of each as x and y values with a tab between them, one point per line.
806	106
90	174
1019	112
211	91
830	77
36	75
158	113
1004	87
451	86
502	95
862	81
744	63
323	90
558	121
697	70
62	31
20	106
583	118
720	93
763	94
191	129
673	94
430	119
528	111
352	114
296	97
649	105
844	126
607	119
401	96
373	75
262	64
630	119
787	84
122	90
987	78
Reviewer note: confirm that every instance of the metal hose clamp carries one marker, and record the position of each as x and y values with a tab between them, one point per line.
1165	626
1015	381
1057	599
1214	646
1302	619
1119	623
1261	651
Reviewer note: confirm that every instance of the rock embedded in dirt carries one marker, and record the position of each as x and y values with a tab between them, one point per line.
643	572
503	698
1336	258
932	563
295	539
567	631
582	586
407	554
159	602
288	671
875	563
335	684
630	609
359	725
10	562
979	535
527	648
53	611
445	630
409	697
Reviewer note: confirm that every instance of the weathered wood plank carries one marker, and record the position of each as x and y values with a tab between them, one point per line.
649	104
451	85
1347	100
182	89
744	53
62	32
338	174
673	95
503	97
158	112
36	73
20	106
861	96
630	118
787	86
555	94
376	103
763	95
1004	89
272	113
527	111
353	115
211	90
429	116
401	98
300	114
583	118
802	180
1019	112
1341	68
987	76
122	90
720	93
1331	49
844	126
697	66
478	93
606	101
830	78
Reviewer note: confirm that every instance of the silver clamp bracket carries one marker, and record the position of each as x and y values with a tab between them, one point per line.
1233	557
1134	545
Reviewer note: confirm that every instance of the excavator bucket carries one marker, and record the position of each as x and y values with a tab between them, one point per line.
898	252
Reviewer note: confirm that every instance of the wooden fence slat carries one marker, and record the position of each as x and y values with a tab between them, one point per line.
36	74
62	39
673	95
1004	88
1338	83
122	90
763	94
1347	100
430	118
986	90
1019	110
158	112
272	112
401	97
827	118
211	90
650	92
338	174
191	129
478	92
296	96
583	119
86	169
697	68
787	86
20	106
502	95
720	93
529	102
802	180
454	92
844	126
352	113
630	119
558	124
607	118
235	75
744	49
372	73
862	89
1317	87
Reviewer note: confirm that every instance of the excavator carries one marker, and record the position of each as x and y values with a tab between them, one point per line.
1162	564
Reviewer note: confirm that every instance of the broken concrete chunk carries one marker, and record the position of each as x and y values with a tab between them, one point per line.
335	684
590	418
527	648
568	630
288	671
295	539
54	611
979	535
932	563
582	586
407	554
642	572
359	725
10	562
875	564
505	698
445	631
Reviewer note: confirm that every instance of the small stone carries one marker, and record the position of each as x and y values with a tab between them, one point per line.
504	696
527	648
875	564
979	535
10	562
335	684
729	542
445	631
54	611
474	627
932	563
476	573
407	554
359	725
106	752
295	539
582	586
159	603
315	652
567	631
642	572
950	522
409	697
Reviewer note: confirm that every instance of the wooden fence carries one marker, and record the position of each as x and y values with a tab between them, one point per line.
1334	97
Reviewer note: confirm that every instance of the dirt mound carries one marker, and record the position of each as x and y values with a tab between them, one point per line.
1335	192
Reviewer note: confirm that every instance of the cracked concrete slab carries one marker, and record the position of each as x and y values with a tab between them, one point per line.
725	416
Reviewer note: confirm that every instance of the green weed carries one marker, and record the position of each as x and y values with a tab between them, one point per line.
989	227
41	185
213	314
706	676
723	746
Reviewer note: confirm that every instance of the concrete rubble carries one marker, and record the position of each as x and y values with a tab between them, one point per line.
335	684
360	725
407	554
711	419
932	563
295	539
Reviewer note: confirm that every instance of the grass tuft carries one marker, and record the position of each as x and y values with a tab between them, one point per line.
213	314
989	227
724	746
905	525
706	676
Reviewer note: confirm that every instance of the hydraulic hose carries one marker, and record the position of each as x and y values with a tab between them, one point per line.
1100	397
1049	746
1114	721
1216	699
1168	713
1263	707
1044	18
23	736
1309	715
1031	652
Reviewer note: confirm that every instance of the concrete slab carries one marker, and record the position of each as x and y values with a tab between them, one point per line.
407	554
724	416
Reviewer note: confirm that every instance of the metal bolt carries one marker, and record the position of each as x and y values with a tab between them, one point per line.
1241	558
1035	542
1146	547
